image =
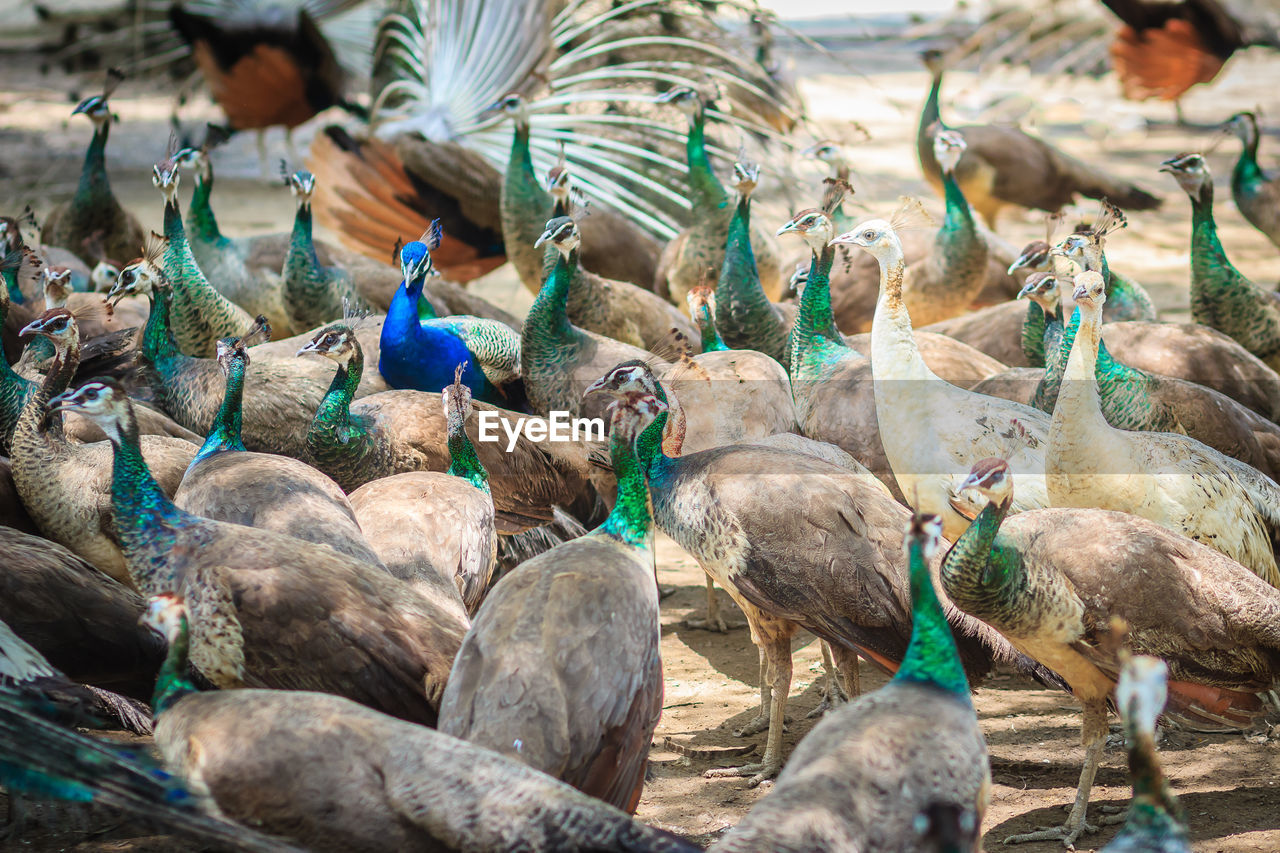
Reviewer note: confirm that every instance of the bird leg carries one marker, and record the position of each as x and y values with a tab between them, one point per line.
713	621
761	720
835	694
777	651
1094	736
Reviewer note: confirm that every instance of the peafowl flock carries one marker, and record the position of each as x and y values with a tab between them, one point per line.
341	517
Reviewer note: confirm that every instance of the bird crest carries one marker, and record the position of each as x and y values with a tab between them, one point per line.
834	192
1110	220
433	236
258	333
910	214
354	315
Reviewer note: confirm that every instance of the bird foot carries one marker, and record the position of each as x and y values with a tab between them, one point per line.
718	624
833	697
757	725
1066	833
758	772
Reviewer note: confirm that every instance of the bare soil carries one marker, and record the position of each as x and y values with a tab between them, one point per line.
1228	783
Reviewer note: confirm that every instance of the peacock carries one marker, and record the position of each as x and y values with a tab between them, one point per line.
421	354
1126	299
1256	191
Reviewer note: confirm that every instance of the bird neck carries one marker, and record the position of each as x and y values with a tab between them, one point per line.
549	315
1034	323
172	684
145	517
204	225
1247	174
707	191
710	337
976	570
929	114
305	278
463	461
894	353
225	433
35	415
931	655
1079	403
959	217
333	419
746	316
631	520
1211	271
13	293
158	341
1154	807
405	312
94	187
814	337
648	447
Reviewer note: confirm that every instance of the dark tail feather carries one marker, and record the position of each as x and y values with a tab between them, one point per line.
44	760
518	547
130	714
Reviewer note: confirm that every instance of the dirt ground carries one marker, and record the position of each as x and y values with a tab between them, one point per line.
1228	783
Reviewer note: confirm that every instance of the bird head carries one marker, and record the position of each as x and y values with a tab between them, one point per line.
95	108
1090	290
1190	171
876	236
415	262
56	324
559	183
699	297
164	175
627	377
228	351
1244	125
1042	289
828	151
1072	247
513	106
102	401
932	60
457	398
948	147
56	284
632	411
302	184
104	276
745	176
682	98
926	530
164	614
1034	256
990	478
1141	692
141	277
561	232
336	342
813	226
196	159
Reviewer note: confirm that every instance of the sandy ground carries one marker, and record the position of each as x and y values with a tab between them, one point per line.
1227	783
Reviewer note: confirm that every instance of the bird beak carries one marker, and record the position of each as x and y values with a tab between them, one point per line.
492	108
788	228
1079	293
842	239
65	400
970	482
546	235
666	97
599	386
1167	166
1025	292
1022	261
309	346
30	330
82	107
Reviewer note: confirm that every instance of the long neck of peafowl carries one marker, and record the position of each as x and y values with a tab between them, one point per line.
814	336
707	332
225	433
977	574
747	318
333	422
146	520
931	112
304	277
463	461
407	308
548	321
707	191
180	265
649	444
1214	281
1247	175
958	239
931	656
1154	809
13	291
172	683
159	344
61	370
1078	410
204	226
94	188
526	206
1034	324
632	517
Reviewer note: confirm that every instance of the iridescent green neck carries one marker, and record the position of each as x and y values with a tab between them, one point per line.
548	317
1034	324
931	656
204	225
144	515
301	242
463	461
14	292
649	444
747	319
333	418
814	336
710	338
632	517
172	684
1247	174
158	341
958	217
94	188
931	111
225	433
978	574
1208	258
708	193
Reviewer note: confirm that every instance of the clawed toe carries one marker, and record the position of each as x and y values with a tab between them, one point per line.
758	772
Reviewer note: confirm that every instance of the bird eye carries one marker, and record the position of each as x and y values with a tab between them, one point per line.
868	235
